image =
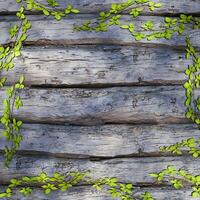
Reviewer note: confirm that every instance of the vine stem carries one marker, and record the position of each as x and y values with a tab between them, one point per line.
120	12
50	8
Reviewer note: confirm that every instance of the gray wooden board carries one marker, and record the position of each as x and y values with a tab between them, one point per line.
88	6
61	32
133	170
99	65
101	141
98	106
63	147
88	193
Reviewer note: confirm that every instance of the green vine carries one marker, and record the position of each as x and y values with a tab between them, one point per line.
48	10
11	124
112	17
18	33
149	31
192	84
178	178
191	145
7	55
64	182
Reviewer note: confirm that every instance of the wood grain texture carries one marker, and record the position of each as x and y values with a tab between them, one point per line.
101	141
133	170
90	6
87	65
100	106
61	32
128	152
87	193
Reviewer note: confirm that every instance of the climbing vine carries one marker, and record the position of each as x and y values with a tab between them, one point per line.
191	145
192	103
192	84
11	124
13	101
149	31
178	178
63	182
48	9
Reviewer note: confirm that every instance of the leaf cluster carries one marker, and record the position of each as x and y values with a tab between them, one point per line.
113	15
148	30
192	84
48	184
25	185
11	124
191	145
177	178
49	9
18	33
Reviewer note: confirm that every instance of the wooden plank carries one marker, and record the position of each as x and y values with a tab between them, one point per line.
99	106
133	170
101	141
89	6
100	65
61	32
88	193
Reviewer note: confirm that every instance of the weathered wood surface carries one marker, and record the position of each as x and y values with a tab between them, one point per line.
100	65
133	170
101	141
88	193
99	106
91	6
61	32
128	152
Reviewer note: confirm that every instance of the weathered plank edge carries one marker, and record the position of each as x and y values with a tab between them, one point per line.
67	36
108	141
73	66
89	6
133	170
150	105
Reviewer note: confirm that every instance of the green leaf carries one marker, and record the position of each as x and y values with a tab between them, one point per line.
75	11
46	12
22	78
124	26
47	191
195	194
53	3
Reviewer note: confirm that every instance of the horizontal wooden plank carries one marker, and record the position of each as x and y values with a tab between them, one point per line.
101	141
99	106
133	170
88	193
88	6
100	65
61	32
